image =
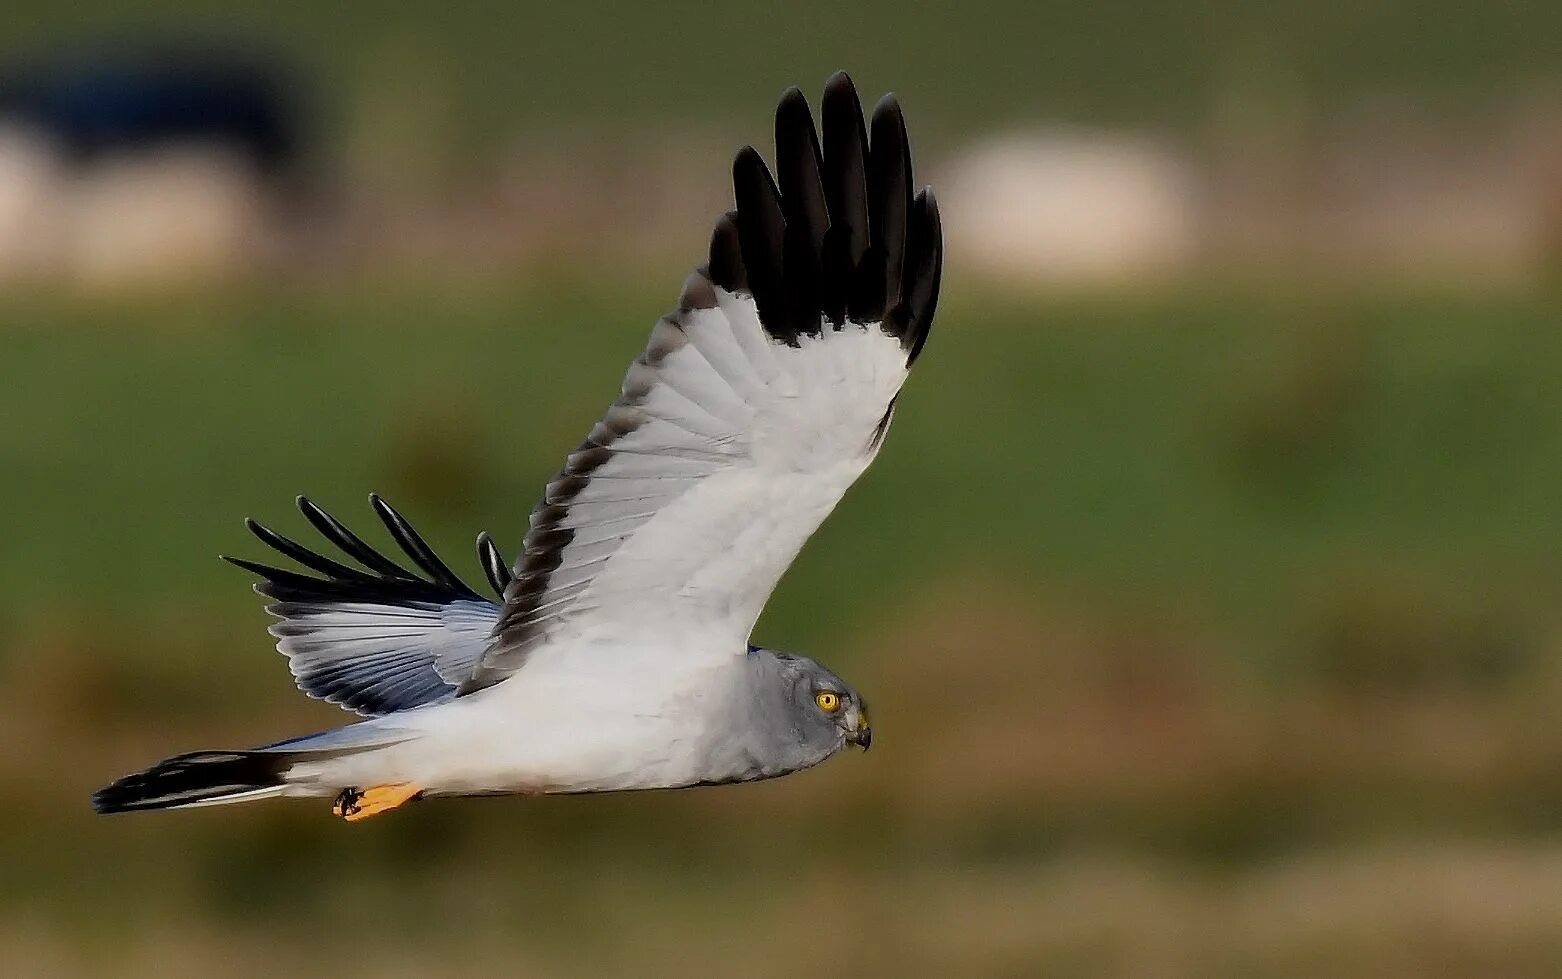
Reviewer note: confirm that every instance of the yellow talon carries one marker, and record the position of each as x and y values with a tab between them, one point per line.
355	804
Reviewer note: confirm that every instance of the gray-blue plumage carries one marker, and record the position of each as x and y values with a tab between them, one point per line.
379	640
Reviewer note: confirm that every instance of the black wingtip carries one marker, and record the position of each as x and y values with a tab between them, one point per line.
889	205
761	233
493	562
888	106
387	513
840	78
924	271
726	255
415	547
834	235
384	578
265	534
258	529
265	571
745	159
799	174
337	533
313	560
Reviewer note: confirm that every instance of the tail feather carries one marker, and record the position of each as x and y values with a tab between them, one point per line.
199	778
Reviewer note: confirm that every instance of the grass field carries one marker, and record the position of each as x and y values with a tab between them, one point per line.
1210	632
1219	453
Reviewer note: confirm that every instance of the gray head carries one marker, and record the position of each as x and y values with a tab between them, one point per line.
810	711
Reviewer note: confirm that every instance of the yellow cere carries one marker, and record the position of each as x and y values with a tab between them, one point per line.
827	701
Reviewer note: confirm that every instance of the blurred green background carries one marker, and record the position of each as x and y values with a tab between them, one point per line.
1210	606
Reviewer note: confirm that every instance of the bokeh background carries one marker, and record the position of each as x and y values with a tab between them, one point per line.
1208	594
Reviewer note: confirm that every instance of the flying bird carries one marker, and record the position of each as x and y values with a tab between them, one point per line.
617	653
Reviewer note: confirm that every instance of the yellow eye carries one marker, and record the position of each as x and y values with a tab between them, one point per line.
827	701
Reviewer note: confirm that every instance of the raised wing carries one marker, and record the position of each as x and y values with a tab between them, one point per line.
383	639
755	405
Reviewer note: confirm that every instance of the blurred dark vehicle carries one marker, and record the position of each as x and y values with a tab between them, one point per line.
101	102
148	163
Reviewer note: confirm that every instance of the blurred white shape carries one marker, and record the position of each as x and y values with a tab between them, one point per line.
1051	207
175	214
30	182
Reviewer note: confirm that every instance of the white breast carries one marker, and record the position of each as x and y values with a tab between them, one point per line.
640	720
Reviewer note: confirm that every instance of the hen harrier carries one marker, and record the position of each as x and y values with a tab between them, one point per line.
617	656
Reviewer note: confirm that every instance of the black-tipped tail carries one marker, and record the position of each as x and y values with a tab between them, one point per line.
199	778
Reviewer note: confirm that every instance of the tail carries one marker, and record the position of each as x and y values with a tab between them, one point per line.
200	778
218	778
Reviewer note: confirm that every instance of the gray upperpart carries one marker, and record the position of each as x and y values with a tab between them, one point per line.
783	719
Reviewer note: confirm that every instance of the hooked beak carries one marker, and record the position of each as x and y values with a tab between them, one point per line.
862	734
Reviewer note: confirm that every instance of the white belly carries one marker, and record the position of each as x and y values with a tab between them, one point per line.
643	719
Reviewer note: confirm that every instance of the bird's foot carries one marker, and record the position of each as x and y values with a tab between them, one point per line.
355	804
